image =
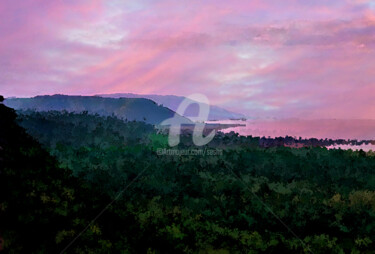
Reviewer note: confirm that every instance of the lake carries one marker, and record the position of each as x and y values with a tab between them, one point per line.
320	129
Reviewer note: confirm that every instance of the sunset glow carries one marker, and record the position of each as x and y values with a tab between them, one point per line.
294	58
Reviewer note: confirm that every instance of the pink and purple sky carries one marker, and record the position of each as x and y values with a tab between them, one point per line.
263	58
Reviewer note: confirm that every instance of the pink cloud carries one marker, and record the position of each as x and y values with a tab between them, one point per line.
310	59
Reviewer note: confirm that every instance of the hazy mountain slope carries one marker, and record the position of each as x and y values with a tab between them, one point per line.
172	102
138	109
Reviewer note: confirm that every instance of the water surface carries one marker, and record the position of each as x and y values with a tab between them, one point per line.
320	129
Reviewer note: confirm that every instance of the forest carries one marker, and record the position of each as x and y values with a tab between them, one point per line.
60	170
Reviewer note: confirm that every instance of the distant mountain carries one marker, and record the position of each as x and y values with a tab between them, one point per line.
138	109
172	102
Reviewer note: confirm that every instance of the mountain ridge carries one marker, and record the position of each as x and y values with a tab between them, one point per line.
173	101
138	109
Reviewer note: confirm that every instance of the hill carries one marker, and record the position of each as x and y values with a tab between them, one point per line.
138	109
41	205
245	199
172	102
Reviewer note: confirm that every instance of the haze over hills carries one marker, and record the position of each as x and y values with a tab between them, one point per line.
172	102
139	109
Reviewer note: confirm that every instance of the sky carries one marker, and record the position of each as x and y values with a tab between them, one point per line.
264	58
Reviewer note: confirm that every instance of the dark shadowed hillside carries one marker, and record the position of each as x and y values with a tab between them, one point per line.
125	108
38	200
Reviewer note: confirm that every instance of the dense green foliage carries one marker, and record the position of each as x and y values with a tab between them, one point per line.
236	202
